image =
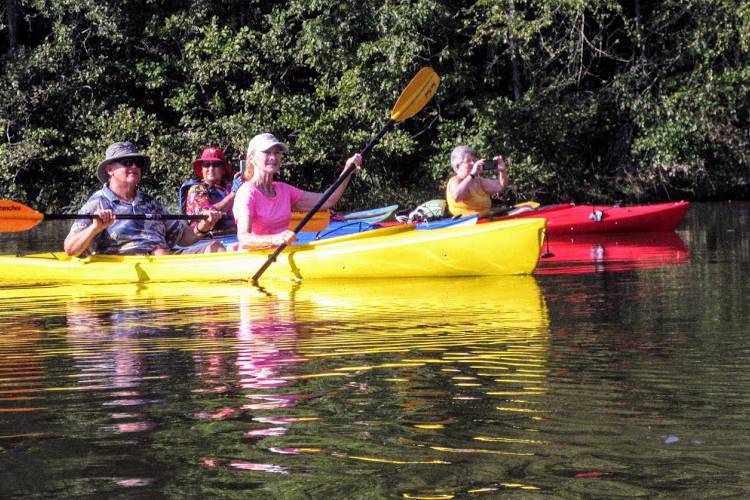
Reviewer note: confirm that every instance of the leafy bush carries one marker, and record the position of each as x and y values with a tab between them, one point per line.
590	100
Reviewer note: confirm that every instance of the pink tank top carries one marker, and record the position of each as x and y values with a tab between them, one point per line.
269	214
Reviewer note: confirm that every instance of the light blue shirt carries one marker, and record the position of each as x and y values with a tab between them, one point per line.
129	237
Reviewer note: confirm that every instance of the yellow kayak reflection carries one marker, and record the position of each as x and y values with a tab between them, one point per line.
467	328
311	320
515	301
430	354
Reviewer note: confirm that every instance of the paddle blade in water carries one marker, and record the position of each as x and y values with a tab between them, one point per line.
420	90
16	217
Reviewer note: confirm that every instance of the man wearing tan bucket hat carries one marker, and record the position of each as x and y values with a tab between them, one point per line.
120	171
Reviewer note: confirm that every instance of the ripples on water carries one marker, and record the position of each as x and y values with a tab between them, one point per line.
610	373
322	386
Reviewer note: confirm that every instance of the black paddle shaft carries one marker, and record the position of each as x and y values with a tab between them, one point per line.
327	194
126	216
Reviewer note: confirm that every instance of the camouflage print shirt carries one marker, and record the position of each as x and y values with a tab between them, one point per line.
129	237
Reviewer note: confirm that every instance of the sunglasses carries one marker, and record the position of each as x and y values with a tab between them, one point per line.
129	162
213	164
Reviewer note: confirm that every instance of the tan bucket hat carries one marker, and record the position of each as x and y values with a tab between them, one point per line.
118	151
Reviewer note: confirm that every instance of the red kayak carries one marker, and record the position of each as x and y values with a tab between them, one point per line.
577	219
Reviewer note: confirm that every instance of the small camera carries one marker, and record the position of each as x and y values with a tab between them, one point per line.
489	164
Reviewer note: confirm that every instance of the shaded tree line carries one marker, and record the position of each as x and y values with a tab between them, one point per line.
592	100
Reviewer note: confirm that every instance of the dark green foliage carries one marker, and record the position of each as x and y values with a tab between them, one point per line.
591	100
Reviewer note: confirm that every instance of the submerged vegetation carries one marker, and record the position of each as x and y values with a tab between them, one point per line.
592	100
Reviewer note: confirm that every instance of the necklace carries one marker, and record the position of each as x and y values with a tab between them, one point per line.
266	190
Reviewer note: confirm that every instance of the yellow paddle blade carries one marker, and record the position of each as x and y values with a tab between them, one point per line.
420	90
317	222
16	217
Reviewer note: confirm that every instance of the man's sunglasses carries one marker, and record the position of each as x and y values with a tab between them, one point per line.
129	162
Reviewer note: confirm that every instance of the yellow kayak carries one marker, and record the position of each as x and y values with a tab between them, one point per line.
497	248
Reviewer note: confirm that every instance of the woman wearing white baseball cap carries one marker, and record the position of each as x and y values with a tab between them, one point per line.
263	206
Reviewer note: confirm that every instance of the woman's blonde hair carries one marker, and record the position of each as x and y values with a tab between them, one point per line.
247	172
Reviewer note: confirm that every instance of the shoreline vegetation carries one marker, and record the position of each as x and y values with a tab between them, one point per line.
592	101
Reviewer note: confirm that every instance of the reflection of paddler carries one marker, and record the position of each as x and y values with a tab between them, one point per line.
101	344
267	333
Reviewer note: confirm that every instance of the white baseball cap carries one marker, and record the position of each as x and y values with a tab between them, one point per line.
264	142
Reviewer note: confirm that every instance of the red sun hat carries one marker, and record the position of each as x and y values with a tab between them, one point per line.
212	153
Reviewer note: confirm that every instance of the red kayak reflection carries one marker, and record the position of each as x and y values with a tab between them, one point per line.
590	253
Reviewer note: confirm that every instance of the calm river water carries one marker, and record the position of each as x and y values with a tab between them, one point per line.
621	368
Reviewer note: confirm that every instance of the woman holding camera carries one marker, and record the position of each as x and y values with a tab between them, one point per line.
467	192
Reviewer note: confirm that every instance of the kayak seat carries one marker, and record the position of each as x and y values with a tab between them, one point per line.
427	211
182	195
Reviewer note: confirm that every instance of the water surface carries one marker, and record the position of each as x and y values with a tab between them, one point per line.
620	368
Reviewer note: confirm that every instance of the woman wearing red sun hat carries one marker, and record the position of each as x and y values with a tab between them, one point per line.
214	174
